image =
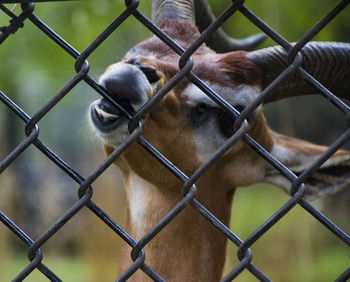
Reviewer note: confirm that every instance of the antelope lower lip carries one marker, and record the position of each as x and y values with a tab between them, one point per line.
105	116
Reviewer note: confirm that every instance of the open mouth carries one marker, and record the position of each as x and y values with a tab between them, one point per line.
106	116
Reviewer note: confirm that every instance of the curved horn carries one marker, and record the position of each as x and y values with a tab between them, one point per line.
219	40
162	9
328	62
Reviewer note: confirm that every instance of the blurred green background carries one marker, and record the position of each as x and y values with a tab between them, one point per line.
34	193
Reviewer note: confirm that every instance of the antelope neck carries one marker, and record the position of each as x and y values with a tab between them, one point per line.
190	237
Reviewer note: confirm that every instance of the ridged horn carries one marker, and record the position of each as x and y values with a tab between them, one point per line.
328	62
219	40
162	9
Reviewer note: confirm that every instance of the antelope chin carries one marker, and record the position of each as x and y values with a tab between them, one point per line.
109	124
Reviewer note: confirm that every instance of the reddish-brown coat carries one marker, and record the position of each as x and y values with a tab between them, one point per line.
190	248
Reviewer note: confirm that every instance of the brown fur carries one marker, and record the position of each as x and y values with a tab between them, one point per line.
189	248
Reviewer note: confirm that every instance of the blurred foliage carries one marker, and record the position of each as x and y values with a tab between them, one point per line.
297	248
291	19
34	193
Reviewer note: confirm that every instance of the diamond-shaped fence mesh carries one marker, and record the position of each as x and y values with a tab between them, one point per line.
28	16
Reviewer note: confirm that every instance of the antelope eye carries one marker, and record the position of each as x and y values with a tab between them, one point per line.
199	114
239	107
201	109
227	120
151	73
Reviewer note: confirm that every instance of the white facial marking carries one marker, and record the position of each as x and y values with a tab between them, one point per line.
241	95
208	138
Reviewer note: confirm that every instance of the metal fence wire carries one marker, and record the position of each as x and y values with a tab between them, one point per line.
27	16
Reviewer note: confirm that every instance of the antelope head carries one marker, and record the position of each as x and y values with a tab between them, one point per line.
187	127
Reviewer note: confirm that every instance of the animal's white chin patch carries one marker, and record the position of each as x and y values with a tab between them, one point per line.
115	138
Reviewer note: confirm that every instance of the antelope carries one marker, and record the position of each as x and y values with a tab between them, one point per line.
187	127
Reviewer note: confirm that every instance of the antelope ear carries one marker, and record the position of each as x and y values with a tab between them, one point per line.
298	155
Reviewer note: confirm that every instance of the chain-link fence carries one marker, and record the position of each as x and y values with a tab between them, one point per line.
35	254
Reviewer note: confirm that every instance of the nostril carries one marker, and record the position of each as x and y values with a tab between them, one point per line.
151	73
